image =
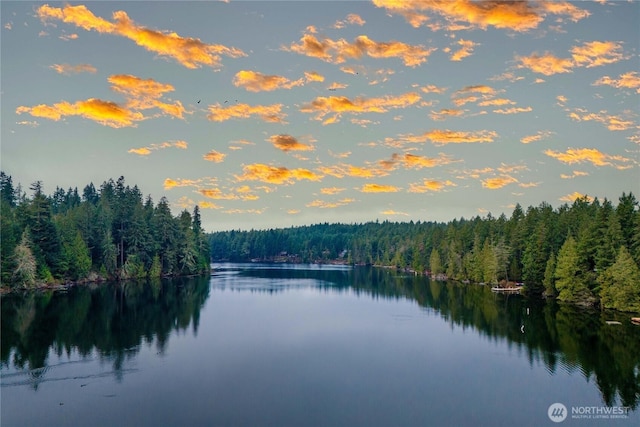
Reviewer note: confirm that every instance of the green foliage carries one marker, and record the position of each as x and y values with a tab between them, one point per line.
620	284
549	281
435	263
108	230
570	283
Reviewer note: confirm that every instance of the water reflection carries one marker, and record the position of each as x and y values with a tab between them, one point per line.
109	322
113	321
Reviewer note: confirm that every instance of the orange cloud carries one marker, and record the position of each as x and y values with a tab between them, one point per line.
433	89
276	175
268	113
496	102
392	212
445	113
536	137
596	53
342	170
440	137
590	155
466	48
517	16
329	205
143	94
430	185
575	174
378	188
546	64
73	69
331	190
613	123
145	151
514	110
104	112
190	52
498	182
208	205
254	81
413	161
337	51
214	156
288	143
313	76
630	80
338	105
574	196
351	19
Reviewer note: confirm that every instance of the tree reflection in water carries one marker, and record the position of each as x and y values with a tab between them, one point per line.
113	321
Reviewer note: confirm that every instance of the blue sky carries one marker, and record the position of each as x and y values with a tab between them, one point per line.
272	114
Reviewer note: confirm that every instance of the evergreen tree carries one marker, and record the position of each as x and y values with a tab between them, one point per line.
435	263
569	283
25	267
620	284
549	281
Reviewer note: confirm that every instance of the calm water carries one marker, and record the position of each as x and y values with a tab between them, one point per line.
309	346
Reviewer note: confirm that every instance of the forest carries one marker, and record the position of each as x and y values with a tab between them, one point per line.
586	253
107	233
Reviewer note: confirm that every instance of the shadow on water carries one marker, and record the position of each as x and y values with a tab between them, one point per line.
113	321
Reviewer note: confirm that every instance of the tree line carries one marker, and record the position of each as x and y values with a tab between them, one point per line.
108	232
587	252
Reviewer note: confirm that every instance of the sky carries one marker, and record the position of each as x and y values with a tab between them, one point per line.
273	114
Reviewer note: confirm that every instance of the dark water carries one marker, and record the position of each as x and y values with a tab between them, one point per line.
311	346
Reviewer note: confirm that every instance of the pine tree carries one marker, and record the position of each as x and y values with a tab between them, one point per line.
620	284
569	283
549	281
435	263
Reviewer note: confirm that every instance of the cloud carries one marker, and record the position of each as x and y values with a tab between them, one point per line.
254	81
542	134
433	89
217	194
574	196
466	48
141	94
445	113
351	19
214	156
519	16
275	175
546	64
575	174
331	190
342	170
244	211
338	105
288	143
293	211
613	123
596	53
441	137
413	161
336	85
590	155
190	52
378	188
170	183
496	102
268	113
514	110
391	212
430	185
104	112
208	205
338	51
630	80
145	151
329	205
144	94
589	54
313	76
498	182
68	69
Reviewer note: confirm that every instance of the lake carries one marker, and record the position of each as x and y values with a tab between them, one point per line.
311	345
